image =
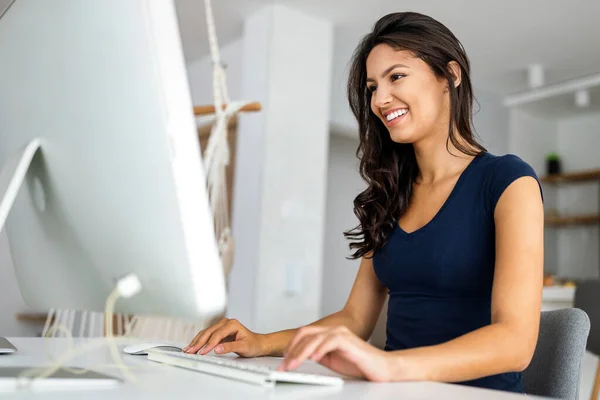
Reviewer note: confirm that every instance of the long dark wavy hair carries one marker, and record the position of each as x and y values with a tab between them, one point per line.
390	168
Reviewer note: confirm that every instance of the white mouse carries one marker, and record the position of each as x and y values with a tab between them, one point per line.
141	348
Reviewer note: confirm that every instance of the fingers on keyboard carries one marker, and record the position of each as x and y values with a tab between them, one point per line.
217	336
202	337
237	346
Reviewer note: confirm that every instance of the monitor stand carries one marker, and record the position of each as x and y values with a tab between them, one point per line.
11	178
6	347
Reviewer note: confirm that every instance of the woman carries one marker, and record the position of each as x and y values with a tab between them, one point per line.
451	232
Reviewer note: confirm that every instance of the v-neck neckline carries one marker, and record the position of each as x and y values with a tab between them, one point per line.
457	185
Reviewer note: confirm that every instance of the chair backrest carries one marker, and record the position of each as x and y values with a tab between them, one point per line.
587	298
555	369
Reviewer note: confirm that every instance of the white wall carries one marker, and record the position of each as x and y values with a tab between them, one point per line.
340	115
569	251
295	165
344	183
579	142
280	185
200	74
531	138
491	121
579	147
249	64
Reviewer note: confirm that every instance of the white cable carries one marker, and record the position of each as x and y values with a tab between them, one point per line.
119	325
124	322
71	320
48	322
132	326
65	321
112	344
57	319
82	323
126	287
91	327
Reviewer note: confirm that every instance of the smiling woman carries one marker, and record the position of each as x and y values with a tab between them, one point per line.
453	233
413	68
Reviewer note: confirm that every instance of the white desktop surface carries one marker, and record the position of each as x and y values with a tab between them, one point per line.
158	381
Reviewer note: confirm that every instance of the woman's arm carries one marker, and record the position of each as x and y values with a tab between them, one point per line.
359	314
509	342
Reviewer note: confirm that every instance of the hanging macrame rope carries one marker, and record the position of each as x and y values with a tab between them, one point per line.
217	155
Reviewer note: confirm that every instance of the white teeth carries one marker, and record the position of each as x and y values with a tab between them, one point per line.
396	114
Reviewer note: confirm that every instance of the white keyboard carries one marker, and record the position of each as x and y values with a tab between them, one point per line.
240	371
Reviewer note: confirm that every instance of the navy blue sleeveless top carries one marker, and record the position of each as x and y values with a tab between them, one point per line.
439	277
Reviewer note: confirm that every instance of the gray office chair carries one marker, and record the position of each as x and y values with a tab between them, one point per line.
555	369
587	298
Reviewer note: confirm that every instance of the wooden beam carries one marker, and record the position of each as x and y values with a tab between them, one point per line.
33	317
592	175
208	110
573	220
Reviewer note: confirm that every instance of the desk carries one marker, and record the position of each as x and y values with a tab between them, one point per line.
158	381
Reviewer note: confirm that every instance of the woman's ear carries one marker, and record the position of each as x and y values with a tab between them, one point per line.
454	69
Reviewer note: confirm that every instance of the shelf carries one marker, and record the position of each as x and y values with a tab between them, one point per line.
559	294
581	176
573	220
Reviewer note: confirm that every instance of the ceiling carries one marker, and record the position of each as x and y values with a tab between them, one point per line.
501	37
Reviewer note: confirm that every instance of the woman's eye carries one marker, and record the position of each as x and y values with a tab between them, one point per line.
396	76
372	88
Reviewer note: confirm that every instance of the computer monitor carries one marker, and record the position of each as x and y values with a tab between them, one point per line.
117	186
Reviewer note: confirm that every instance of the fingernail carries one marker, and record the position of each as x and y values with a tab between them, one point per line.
219	348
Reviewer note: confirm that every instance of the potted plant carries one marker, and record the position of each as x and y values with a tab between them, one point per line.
553	164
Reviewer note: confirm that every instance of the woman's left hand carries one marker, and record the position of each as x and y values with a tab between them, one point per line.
339	350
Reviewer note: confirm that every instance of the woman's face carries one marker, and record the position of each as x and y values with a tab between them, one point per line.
406	95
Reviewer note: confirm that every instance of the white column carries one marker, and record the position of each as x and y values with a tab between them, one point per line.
280	188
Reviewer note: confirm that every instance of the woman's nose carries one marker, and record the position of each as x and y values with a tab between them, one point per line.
383	97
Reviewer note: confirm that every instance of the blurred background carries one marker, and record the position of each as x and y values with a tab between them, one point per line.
536	74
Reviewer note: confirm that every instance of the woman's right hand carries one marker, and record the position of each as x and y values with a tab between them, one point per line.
228	336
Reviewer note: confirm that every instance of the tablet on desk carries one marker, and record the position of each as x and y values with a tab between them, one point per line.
11	380
6	347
